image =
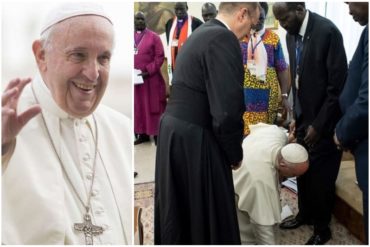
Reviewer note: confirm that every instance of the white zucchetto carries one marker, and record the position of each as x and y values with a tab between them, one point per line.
294	153
71	9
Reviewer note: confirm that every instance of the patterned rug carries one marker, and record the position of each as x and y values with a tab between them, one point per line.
144	198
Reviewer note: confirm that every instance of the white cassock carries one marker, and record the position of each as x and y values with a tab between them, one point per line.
256	181
39	205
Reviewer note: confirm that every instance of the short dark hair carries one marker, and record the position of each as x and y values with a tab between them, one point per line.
294	5
265	6
230	7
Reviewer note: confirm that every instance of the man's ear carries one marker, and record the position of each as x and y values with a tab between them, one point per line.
39	53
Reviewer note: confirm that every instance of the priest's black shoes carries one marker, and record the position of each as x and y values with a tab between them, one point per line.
319	238
292	224
141	139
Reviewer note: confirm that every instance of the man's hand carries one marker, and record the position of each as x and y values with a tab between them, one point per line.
287	107
311	137
337	143
11	122
291	134
236	166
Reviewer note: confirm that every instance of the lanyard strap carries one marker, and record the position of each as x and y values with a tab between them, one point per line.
255	47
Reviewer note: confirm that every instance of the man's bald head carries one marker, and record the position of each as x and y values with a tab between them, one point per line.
181	10
139	21
290	15
209	11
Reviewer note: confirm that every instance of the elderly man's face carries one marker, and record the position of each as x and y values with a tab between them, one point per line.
288	170
248	18
76	64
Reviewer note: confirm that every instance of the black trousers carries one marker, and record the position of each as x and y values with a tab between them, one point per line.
316	188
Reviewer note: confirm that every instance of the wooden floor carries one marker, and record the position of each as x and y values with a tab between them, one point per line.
350	218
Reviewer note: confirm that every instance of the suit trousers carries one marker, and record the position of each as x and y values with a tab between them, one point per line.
316	188
361	154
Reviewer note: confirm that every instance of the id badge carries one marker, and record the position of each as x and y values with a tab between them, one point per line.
296	81
251	66
175	43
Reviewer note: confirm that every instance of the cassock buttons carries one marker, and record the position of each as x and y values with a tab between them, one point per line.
86	157
99	211
89	176
95	192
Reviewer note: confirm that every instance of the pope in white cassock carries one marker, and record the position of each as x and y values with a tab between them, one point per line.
66	159
257	189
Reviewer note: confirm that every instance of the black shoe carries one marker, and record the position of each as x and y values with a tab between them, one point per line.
292	224
155	140
142	138
319	238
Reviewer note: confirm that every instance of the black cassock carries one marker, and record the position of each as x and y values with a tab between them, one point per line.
199	139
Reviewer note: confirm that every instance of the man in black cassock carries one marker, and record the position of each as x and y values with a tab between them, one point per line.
201	134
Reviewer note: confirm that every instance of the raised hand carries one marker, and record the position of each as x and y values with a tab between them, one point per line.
11	121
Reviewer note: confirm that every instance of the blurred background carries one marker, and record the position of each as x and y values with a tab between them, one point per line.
21	22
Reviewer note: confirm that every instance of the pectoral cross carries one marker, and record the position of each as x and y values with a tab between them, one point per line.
89	229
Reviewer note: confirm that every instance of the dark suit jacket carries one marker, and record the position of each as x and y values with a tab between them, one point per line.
194	25
353	127
322	74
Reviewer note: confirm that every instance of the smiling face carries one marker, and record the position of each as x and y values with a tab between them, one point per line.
75	62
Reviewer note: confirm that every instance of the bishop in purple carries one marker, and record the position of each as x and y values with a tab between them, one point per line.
150	96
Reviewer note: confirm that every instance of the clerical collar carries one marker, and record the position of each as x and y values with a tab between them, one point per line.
47	102
227	26
182	20
140	31
260	32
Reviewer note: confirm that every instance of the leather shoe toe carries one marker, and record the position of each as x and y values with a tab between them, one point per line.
319	239
292	224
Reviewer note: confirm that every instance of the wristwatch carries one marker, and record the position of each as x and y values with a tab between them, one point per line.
284	95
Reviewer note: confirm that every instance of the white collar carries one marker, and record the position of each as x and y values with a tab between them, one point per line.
47	102
302	30
260	32
224	23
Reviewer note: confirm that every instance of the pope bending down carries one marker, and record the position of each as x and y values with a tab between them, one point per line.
257	189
